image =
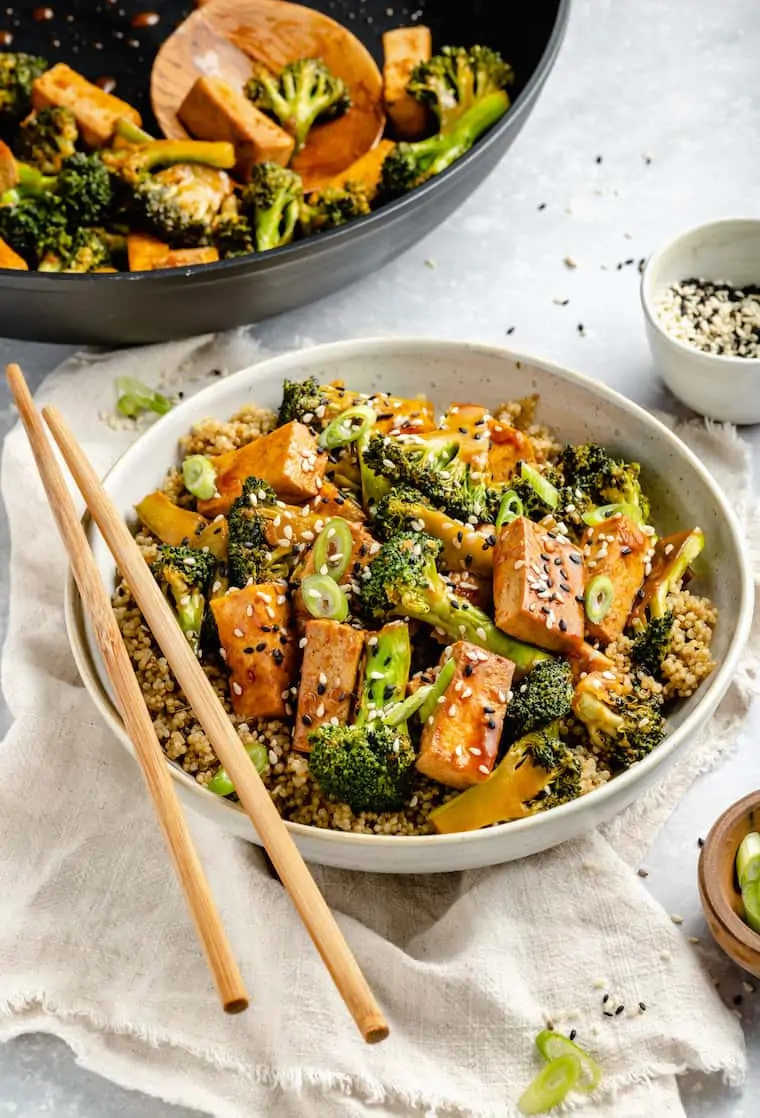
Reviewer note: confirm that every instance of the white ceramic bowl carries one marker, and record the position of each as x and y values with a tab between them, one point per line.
579	409
724	388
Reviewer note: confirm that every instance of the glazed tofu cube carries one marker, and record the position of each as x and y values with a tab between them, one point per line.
460	742
331	502
146	254
8	169
214	110
509	446
287	458
366	170
11	259
617	549
538	586
97	112
403	48
256	633
329	671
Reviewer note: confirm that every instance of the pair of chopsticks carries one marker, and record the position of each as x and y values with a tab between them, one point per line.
287	861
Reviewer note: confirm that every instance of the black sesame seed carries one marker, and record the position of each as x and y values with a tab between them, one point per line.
307	719
625	550
467	671
488	710
277	655
545	609
558	561
260	646
643	1007
565	588
562	625
575	558
468	560
598	159
605	999
248	650
275	628
608	1013
491	724
619	1010
491	540
545	557
700	842
738	999
510	330
266	629
580	598
462	430
573	1034
321	688
460	536
283	639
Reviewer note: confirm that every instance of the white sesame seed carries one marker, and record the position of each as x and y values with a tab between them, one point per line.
238	690
270	613
452	710
320	711
480	632
483	769
323	679
238	632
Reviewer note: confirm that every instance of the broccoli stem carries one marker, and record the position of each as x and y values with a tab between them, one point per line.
386	672
473	625
167	153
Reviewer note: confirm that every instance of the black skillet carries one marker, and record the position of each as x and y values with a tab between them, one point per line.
115	40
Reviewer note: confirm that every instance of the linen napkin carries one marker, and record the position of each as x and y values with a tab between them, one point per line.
96	945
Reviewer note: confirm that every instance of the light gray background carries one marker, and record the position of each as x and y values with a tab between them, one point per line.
671	81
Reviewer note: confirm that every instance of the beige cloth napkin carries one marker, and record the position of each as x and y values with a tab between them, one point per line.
96	945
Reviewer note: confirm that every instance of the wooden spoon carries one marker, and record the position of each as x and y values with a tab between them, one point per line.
222	37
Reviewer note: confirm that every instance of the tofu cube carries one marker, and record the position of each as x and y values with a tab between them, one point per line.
538	586
403	48
256	632
214	110
618	549
287	458
96	112
460	741
329	673
146	254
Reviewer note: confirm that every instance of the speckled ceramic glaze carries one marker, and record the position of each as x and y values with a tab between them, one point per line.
578	409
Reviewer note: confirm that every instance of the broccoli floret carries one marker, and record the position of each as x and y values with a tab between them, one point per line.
623	725
404	509
48	137
403	581
433	466
304	93
18	72
333	206
85	250
538	772
173	189
32	225
271	201
534	506
409	165
368	765
84	186
300	398
233	235
545	696
604	479
185	574
250	555
451	82
651	645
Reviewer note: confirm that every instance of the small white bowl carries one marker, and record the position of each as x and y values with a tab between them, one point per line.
724	388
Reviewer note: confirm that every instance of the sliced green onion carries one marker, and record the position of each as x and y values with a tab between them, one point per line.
751	900
403	711
552	1045
510	508
220	783
136	397
599	596
548	493
551	1086
347	427
599	515
748	859
445	676
333	548
324	598
199	476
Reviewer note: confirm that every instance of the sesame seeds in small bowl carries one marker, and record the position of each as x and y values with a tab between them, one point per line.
701	299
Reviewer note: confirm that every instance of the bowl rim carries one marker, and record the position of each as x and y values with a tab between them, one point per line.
730	920
85	656
646	285
518	110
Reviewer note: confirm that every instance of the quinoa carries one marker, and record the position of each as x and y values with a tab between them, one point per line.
716	318
295	793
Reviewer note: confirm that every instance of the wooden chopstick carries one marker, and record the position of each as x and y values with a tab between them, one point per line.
293	872
134	712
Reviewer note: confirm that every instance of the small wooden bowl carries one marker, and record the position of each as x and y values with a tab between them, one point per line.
222	37
718	888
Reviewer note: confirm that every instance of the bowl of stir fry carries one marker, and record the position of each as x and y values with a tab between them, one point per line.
279	158
450	631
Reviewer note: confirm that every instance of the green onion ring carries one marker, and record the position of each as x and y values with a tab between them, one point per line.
552	1045
551	1086
510	509
548	493
333	549
199	476
600	593
220	783
323	598
344	429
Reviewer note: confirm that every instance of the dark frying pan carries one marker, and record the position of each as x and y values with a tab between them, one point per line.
102	40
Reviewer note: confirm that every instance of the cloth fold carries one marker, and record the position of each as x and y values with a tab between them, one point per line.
96	945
